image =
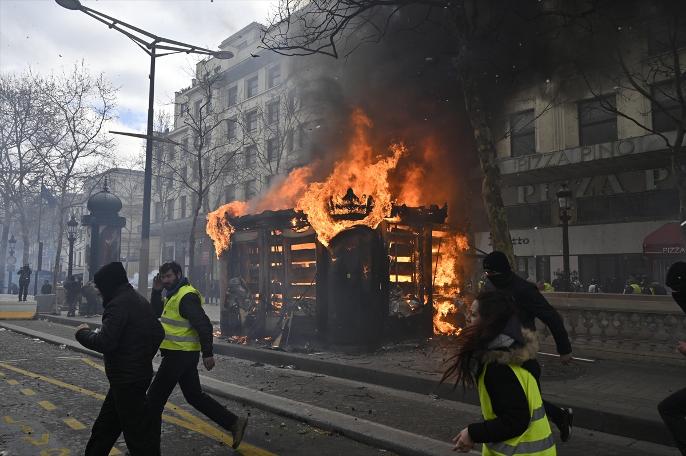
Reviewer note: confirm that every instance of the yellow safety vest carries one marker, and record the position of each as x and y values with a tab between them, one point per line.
178	332
537	440
637	288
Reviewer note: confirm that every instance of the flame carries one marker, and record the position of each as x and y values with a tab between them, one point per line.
444	311
359	170
449	250
218	227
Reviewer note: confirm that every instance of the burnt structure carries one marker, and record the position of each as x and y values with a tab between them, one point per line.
366	286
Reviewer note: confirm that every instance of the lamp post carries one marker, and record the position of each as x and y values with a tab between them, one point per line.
72	227
564	197
150	44
10	263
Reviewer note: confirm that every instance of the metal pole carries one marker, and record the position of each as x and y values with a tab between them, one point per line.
144	260
39	260
565	249
70	265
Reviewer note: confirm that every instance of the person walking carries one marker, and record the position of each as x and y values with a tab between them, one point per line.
129	338
530	304
188	331
490	354
46	289
24	280
673	408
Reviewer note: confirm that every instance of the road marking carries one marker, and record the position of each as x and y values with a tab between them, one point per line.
25	428
246	449
47	405
56	452
12	382
27	392
74	423
43	440
114	452
2	375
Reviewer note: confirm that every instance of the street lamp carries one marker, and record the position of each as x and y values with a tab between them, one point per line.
10	263
564	201
150	44
72	227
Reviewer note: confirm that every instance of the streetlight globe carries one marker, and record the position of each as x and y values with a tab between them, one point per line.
223	55
73	5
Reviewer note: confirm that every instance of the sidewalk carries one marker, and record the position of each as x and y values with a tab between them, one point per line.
609	396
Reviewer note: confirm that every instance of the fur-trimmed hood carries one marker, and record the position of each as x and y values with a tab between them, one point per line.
506	350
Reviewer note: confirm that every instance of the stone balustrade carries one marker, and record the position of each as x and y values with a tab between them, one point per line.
622	326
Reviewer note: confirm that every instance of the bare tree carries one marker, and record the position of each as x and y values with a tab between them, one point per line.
207	148
82	104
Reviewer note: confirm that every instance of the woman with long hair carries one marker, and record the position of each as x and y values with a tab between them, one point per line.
490	353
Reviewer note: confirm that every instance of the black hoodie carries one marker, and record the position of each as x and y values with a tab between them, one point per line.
130	334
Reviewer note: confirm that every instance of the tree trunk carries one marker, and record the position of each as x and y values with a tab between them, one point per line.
191	238
26	241
490	191
58	248
3	245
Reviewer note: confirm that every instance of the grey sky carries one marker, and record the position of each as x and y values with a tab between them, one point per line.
46	37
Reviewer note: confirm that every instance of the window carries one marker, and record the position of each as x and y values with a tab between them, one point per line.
666	108
196	171
230	193
251	87
184	144
249	189
232	96
170	209
272	149
597	124
250	156
251	121
196	107
158	211
268	180
170	179
183	109
182	207
522	133
273	112
231	128
274	76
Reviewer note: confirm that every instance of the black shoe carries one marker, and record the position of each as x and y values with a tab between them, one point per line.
237	431
566	425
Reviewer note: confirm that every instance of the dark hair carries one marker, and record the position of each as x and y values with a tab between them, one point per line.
495	309
172	266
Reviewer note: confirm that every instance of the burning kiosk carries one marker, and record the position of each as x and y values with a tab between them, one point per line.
365	285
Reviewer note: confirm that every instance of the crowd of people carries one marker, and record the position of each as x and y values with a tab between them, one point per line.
639	284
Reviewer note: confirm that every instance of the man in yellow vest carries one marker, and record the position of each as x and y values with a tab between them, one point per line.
188	331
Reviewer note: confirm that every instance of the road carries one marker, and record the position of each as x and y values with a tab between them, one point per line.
73	384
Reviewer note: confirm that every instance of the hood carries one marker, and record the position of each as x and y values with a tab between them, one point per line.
109	278
504	349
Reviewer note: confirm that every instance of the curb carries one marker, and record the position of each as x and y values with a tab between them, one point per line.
368	432
639	428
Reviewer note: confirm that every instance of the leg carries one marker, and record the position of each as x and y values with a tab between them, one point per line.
161	388
192	391
137	419
554	413
106	429
673	411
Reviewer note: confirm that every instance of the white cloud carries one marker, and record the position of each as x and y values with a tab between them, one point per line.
46	37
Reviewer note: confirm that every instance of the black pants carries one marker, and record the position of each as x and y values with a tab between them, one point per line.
555	413
23	290
673	412
181	367
125	410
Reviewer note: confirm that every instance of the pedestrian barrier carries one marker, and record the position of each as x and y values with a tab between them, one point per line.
13	309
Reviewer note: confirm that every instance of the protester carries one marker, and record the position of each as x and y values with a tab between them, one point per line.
594	287
673	408
46	289
128	339
188	331
71	293
490	354
24	274
530	304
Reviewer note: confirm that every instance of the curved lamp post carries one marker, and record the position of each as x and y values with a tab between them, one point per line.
150	44
564	201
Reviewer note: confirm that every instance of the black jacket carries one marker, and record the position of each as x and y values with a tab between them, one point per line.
508	399
191	309
531	305
130	334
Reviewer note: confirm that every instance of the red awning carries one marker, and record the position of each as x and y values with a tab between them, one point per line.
666	240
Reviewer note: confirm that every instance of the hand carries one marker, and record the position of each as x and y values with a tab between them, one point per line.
681	347
157	283
82	326
208	362
566	359
463	442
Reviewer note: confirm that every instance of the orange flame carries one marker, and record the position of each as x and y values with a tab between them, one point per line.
447	278
359	170
218	227
445	311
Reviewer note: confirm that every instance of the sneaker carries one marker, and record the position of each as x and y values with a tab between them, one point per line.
237	431
566	425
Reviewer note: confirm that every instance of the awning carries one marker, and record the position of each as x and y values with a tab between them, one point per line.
666	240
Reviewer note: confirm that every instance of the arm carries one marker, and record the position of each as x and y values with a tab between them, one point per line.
156	303
191	310
509	404
680	299
540	308
113	323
